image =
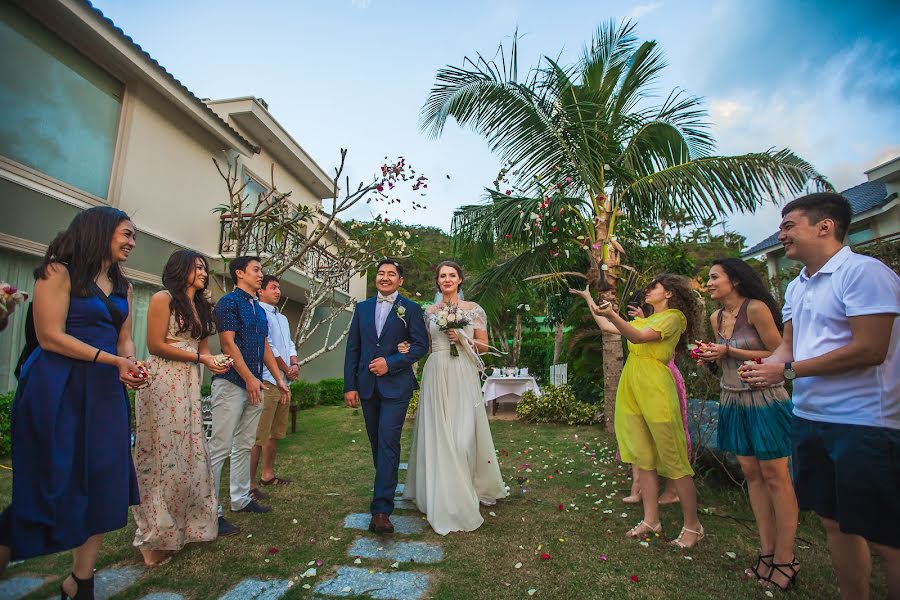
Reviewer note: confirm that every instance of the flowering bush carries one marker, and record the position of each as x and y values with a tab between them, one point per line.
557	405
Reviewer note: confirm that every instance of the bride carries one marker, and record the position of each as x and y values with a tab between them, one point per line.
452	464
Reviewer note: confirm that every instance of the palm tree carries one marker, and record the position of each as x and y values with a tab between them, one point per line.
586	146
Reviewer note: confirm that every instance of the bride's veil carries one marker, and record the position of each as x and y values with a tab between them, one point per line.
438	297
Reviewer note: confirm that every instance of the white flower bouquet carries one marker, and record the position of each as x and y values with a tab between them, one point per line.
450	317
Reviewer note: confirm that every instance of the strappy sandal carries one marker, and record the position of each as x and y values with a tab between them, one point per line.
780	567
257	495
85	589
700	535
634	534
632	499
275	481
762	560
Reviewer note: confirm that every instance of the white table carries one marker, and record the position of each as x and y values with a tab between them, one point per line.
495	388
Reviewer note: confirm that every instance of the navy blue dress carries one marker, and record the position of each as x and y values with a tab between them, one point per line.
71	443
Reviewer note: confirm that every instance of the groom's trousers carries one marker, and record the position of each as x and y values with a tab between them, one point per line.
384	423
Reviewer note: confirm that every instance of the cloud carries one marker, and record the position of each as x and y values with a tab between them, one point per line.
641	10
361	3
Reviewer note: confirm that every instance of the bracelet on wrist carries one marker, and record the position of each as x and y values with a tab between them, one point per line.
96	356
197	362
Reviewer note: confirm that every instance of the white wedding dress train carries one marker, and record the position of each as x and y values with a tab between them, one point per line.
452	463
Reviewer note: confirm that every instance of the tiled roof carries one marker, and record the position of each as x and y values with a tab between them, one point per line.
862	198
202	105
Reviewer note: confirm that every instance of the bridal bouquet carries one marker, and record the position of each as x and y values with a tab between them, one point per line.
450	317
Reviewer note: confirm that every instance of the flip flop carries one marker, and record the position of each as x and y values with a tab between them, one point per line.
275	481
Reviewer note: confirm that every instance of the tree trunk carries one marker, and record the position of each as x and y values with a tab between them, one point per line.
557	342
605	282
613	361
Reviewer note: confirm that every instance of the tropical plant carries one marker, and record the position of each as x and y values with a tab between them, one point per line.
583	145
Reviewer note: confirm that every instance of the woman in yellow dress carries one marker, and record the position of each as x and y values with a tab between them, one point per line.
649	430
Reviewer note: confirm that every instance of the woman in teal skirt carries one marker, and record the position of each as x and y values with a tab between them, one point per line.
754	424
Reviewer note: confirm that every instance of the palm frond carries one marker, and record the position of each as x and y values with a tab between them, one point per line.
716	184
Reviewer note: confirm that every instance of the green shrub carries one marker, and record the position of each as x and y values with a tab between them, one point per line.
557	405
304	394
536	353
205	390
413	405
5	407
331	392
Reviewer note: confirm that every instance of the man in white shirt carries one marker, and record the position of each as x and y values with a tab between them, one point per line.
841	347
273	420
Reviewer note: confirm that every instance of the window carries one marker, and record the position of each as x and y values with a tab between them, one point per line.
60	110
252	192
860	235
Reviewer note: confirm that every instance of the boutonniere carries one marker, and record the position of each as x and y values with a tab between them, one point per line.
401	312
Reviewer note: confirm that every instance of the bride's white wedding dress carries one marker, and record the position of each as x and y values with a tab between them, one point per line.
452	463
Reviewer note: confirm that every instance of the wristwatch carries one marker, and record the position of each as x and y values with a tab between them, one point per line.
789	373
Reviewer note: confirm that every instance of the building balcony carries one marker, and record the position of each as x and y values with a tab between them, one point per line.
316	263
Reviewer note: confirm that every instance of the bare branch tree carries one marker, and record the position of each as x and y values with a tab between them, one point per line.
289	235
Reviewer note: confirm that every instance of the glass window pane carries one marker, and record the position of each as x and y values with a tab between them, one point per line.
60	110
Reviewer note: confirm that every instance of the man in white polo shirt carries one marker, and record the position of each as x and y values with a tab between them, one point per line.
841	347
273	420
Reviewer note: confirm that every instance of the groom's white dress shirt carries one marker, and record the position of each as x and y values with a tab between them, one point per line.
383	306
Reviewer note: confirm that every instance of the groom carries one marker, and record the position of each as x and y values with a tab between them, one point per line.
379	375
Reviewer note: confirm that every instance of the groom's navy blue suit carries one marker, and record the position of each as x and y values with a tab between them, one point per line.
384	399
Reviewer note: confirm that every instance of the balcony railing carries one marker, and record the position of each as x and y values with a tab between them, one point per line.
316	262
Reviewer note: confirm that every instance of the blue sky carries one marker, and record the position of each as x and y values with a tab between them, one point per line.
822	78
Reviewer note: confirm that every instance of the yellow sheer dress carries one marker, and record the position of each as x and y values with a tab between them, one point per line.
648	417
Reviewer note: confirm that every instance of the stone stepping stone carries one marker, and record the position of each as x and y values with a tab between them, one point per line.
404	504
420	552
394	585
401	487
163	596
17	587
402	524
404	466
113	580
258	589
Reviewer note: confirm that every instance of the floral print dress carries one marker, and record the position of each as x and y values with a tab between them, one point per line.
178	500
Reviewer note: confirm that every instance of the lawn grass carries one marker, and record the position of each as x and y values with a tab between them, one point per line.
330	462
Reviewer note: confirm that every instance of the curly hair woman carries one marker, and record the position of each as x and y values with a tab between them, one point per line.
648	417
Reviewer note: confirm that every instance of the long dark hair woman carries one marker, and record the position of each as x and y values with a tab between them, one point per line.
178	503
649	429
73	478
754	423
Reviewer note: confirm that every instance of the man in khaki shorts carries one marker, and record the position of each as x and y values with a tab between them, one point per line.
273	421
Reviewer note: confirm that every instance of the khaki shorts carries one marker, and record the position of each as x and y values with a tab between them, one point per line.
274	417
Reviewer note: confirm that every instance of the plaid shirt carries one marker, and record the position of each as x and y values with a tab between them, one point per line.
240	312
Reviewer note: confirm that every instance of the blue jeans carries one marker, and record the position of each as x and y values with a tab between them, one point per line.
384	424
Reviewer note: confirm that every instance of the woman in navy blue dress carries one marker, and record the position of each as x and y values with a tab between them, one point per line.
73	478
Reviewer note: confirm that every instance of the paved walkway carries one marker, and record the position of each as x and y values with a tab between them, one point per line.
377	567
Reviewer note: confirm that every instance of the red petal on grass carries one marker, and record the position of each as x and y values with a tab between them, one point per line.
545	556
634	579
273	550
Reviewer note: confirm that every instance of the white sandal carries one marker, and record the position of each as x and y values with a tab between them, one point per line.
700	535
631	532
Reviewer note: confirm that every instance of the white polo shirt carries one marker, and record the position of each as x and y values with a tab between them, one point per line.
848	285
280	340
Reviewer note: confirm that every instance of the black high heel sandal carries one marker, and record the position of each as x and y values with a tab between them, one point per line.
762	560
791	577
85	590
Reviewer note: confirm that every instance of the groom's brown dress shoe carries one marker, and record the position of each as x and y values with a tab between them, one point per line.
381	523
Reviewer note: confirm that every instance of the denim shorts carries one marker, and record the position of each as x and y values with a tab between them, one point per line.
850	474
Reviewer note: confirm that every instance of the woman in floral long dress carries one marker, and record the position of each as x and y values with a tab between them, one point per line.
178	499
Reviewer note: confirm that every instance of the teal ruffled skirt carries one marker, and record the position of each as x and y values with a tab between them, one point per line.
756	422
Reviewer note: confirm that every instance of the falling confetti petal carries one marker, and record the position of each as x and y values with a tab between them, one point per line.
306	586
492	513
518	565
294	521
357	561
634	578
347	589
395	565
531	592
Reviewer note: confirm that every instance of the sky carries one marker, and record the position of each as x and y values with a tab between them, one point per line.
819	77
